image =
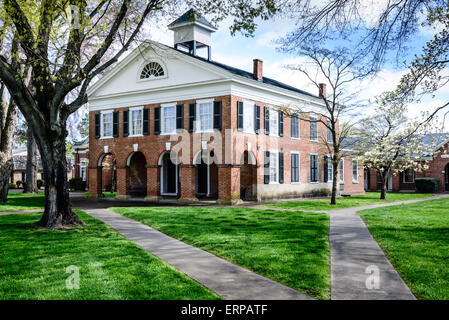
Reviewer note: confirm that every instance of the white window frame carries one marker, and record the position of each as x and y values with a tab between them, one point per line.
198	116
273	113
317	167
357	171
310	125
329	165
131	122
83	169
329	132
162	115
102	114
249	105
299	167
403	176
299	128
276	152
341	170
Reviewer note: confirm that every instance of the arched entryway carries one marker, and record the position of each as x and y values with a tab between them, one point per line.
137	174
108	167
248	176
446	177
206	175
169	166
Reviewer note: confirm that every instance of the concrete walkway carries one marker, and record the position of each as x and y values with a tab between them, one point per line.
359	268
222	277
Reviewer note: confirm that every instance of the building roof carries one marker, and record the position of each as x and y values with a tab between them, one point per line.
247	74
81	144
20	163
191	16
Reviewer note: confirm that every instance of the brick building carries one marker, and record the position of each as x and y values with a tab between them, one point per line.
81	156
180	125
405	181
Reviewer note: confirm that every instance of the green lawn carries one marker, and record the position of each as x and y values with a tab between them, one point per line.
289	247
23	201
346	202
415	238
33	264
105	193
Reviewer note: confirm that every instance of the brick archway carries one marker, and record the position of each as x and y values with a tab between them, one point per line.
248	176
137	174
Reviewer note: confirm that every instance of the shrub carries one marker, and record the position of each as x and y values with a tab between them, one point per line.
12	186
77	184
40	183
19	183
427	185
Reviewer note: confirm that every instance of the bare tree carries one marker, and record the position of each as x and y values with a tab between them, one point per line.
338	69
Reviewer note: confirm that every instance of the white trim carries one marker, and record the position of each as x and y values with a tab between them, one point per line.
352	171
161	163
102	113
277	166
131	123
147	61
197	122
163	107
341	172
329	163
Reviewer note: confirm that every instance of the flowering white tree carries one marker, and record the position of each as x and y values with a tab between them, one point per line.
389	142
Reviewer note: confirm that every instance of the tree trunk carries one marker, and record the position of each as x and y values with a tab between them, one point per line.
30	183
383	188
58	212
334	181
6	167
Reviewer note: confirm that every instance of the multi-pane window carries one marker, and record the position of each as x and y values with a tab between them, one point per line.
168	119
136	122
294	124
248	117
152	70
106	124
274	166
408	176
342	170
313	128
329	131
295	167
355	170
274	122
83	169
330	169
313	168
206	116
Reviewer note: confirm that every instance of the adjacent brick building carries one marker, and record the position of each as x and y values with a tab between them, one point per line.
181	126
405	181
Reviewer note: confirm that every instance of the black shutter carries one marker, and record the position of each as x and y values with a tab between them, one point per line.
281	123
266	166
192	116
97	125
239	115
126	123
257	119
266	117
115	124
179	116
326	168
146	122
281	167
217	115
157	120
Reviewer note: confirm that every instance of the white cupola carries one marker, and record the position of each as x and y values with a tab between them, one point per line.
192	31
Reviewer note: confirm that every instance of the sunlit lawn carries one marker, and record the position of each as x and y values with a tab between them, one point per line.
288	247
415	238
23	201
33	264
105	193
346	202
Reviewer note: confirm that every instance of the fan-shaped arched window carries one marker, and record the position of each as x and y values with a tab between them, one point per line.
152	70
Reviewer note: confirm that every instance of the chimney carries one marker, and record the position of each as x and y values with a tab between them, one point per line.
257	69
322	91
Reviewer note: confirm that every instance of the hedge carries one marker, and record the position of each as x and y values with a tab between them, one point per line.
77	184
427	185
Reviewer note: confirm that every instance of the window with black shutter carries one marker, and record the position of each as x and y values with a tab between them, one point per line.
257	119
146	122
179	116
157	120
192	116
217	115
281	167
326	169
115	124
294	167
266	166
97	126
240	115
281	123
126	123
294	126
266	117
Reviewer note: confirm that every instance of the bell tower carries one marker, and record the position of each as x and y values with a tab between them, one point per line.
192	32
